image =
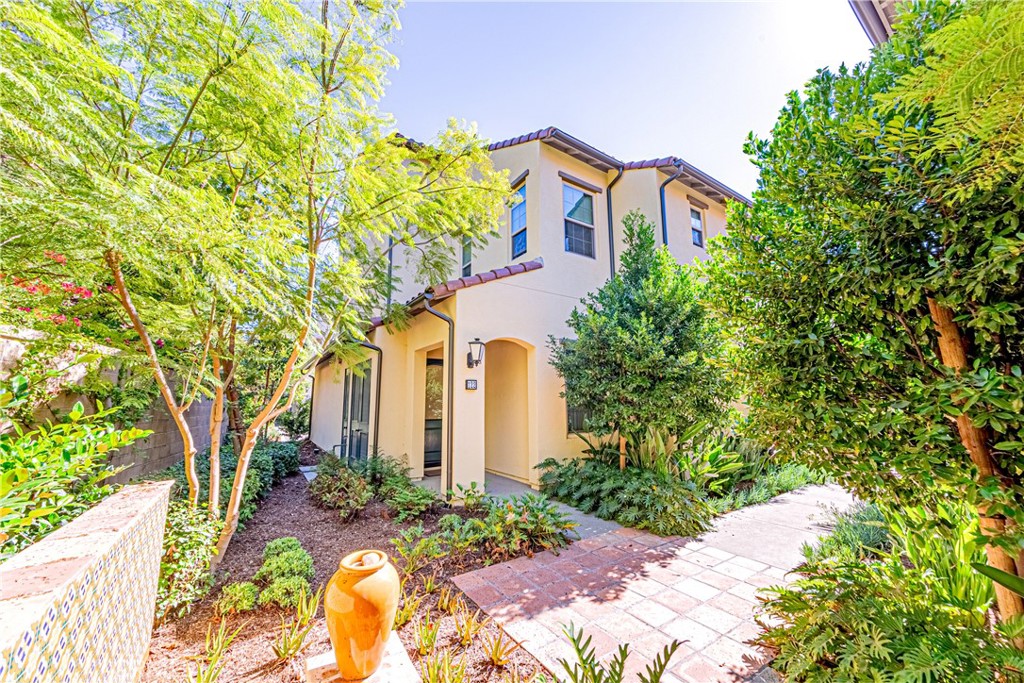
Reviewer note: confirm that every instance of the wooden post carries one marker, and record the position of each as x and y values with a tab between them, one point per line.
976	440
622	452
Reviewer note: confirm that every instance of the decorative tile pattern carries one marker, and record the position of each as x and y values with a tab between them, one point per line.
78	605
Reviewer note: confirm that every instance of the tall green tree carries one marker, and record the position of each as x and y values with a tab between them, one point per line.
220	174
874	289
645	351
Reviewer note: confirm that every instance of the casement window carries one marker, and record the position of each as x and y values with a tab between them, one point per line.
519	223
467	256
579	220
578	417
697	227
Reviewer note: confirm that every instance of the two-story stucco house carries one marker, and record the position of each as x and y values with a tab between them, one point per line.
421	393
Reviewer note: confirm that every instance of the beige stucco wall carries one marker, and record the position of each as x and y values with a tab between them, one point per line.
516	417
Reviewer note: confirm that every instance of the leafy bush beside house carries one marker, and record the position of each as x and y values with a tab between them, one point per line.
269	463
642	499
645	352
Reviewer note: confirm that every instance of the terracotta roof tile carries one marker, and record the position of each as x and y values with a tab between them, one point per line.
452	286
446	289
520	139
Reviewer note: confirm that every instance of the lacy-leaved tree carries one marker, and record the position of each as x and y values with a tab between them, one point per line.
874	289
219	173
645	351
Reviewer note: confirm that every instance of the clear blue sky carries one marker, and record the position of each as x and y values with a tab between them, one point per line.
636	80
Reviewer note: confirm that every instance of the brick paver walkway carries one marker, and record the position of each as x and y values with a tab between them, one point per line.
626	586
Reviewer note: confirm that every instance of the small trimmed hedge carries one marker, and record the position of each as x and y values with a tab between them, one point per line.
269	463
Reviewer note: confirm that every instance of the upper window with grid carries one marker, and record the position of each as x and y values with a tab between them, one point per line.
579	221
519	223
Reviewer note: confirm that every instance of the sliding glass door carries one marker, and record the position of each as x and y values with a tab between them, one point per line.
355	413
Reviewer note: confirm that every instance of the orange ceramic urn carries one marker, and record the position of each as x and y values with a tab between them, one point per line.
360	605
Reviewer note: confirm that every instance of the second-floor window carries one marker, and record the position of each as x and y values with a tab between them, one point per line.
697	227
467	256
579	221
519	223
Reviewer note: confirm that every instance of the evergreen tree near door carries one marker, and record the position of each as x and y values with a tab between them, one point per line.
645	351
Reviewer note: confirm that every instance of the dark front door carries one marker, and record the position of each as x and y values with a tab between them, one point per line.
433	428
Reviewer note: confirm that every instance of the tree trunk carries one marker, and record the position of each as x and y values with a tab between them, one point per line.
953	351
235	426
622	452
216	420
268	414
113	260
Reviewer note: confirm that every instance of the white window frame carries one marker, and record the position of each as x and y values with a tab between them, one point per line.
592	227
511	228
697	231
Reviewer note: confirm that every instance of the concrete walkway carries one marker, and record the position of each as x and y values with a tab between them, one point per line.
626	586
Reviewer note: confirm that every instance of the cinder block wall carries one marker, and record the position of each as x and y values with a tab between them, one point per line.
163	448
78	605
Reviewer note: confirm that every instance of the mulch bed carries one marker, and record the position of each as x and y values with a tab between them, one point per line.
288	511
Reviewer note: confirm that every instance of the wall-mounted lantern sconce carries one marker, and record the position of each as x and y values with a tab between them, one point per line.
476	353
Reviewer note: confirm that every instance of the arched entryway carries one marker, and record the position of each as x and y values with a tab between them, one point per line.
506	415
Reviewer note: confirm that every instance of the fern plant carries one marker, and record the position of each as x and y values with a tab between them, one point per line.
638	498
881	621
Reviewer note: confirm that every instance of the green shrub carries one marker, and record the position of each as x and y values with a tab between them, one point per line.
384	474
237	597
856	534
252	490
335	486
190	542
880	622
943	540
52	474
525	524
771	482
284	456
285	591
261	469
411	502
641	499
295	562
280	545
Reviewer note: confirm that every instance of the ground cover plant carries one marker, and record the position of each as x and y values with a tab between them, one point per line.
672	485
857	534
890	595
634	497
188	552
288	509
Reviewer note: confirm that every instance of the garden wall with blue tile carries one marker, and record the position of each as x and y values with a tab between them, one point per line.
78	605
